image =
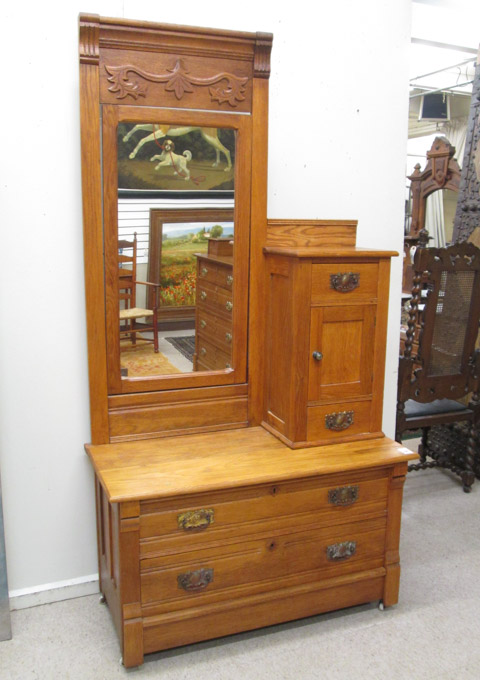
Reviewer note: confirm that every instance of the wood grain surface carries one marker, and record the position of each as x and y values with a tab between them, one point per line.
206	462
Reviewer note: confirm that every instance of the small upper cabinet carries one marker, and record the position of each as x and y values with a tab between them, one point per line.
326	329
169	117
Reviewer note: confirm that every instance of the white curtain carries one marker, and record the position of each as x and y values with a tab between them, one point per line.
456	133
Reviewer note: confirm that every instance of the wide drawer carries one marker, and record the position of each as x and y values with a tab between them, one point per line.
214	328
215	273
211	356
184	524
322	552
344	282
215	298
336	421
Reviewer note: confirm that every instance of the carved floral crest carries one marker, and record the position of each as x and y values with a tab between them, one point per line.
229	87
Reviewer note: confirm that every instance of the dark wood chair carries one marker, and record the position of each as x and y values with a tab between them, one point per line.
438	383
127	284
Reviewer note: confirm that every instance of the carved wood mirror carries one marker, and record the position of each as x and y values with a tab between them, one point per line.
169	118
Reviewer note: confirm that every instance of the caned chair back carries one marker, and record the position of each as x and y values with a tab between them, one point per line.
444	318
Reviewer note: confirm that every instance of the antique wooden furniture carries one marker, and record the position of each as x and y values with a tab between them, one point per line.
224	527
466	223
127	292
446	365
341	296
212	534
441	172
214	305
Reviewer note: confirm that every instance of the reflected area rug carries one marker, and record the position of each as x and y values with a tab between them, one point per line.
141	361
185	344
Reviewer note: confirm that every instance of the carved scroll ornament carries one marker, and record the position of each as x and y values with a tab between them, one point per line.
468	205
178	80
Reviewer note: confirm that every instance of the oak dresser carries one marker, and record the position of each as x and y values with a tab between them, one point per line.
257	487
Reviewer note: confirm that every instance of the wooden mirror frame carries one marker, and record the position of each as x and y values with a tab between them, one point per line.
441	172
146	73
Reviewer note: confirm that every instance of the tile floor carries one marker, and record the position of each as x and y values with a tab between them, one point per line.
432	634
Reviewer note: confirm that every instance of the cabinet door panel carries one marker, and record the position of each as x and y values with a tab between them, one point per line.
344	337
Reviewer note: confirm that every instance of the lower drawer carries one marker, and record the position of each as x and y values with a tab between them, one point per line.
214	328
172	526
324	552
336	421
210	356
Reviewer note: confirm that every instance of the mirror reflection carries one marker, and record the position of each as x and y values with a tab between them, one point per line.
440	210
175	248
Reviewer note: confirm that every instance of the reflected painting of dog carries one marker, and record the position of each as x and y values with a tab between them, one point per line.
175	158
169	158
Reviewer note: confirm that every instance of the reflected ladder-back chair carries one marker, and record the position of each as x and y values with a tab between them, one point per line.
127	284
446	367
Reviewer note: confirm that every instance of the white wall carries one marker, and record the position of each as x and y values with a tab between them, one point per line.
340	68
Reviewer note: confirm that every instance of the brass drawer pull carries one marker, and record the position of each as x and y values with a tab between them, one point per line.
193	581
318	356
339	421
228	337
341	551
195	520
229	306
204	271
343	495
203	323
203	351
344	282
203	295
229	280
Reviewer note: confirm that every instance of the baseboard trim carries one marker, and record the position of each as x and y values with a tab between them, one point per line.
53	592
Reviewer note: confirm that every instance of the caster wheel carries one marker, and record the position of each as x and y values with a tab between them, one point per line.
381	606
102	599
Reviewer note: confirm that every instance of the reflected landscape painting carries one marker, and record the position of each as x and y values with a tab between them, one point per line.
180	242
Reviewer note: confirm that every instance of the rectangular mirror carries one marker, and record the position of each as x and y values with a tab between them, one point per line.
176	235
168	325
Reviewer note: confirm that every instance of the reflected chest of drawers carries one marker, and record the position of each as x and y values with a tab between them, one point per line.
208	535
213	315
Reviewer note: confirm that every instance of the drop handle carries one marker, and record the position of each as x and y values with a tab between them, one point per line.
318	356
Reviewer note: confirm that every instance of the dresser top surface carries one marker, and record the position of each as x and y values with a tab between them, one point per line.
162	468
